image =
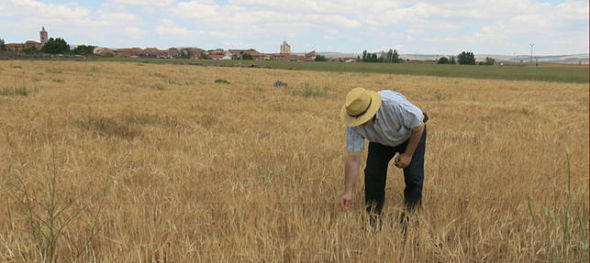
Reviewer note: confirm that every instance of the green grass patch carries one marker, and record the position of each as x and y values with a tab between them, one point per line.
146	119
14	92
159	75
173	82
53	71
159	86
310	91
222	81
556	73
564	226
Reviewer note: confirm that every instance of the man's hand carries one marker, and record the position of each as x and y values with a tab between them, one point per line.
353	163
345	200
403	160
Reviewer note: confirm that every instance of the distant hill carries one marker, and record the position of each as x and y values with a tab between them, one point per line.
575	58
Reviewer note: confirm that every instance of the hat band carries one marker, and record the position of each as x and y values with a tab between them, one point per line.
365	111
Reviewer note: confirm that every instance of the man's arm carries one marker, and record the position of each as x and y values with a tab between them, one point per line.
404	159
353	164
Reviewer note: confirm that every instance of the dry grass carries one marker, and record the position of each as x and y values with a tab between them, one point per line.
198	171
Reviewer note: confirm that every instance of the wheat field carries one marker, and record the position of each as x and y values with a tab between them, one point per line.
131	162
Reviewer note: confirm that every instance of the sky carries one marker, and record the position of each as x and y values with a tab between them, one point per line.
501	27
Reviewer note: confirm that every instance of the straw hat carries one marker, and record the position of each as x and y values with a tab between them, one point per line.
361	105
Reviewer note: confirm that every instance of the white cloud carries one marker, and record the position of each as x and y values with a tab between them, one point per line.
573	9
168	27
157	3
222	35
134	32
197	10
19	8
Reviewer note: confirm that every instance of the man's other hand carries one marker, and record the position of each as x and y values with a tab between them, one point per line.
345	200
403	160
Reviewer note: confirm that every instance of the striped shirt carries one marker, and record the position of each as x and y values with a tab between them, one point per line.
392	125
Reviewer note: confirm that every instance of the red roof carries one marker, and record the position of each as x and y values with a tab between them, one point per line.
216	56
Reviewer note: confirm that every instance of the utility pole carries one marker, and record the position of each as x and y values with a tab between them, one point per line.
532	44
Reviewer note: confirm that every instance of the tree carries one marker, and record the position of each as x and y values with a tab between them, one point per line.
204	55
452	60
389	56
320	58
31	50
247	57
83	50
490	61
2	45
466	58
443	60
56	46
395	57
186	52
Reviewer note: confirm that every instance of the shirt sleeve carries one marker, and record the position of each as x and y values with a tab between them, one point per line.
411	115
354	141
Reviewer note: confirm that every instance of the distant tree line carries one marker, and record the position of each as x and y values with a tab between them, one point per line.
445	60
465	58
56	46
390	56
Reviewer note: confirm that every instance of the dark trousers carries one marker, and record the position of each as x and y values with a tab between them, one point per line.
376	174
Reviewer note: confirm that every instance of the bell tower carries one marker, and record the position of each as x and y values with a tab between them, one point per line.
285	48
43	34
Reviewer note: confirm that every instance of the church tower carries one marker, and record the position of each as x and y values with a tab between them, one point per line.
43	34
285	48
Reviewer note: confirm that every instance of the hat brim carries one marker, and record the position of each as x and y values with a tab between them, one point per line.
368	115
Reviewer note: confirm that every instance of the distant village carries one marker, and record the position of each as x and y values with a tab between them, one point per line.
214	54
186	52
284	54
